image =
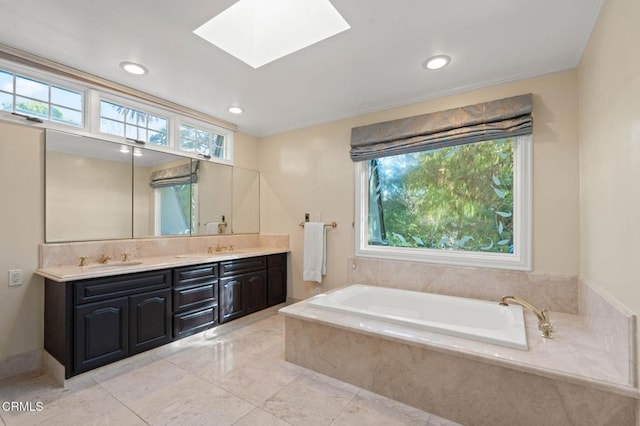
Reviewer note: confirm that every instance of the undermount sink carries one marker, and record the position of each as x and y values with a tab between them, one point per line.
114	265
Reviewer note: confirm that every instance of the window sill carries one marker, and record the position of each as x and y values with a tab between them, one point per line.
514	262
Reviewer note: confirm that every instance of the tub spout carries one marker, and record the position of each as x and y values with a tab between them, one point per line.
543	315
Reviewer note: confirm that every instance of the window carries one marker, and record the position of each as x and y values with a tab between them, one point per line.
202	141
48	100
465	205
173	210
34	98
131	123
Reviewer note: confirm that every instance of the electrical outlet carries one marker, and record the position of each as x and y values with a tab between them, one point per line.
15	277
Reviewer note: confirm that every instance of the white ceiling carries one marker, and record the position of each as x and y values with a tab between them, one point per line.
377	64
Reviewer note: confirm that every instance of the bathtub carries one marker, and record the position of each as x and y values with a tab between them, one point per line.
472	319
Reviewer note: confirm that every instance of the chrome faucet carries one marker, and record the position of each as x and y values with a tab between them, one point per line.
104	259
543	315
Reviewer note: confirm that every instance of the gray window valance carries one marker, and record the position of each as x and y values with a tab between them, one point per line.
178	175
474	123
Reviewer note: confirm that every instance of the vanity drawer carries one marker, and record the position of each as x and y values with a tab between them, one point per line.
189	298
193	275
194	322
236	267
96	289
274	260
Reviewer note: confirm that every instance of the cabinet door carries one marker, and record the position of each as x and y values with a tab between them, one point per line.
101	333
230	303
276	279
255	291
150	320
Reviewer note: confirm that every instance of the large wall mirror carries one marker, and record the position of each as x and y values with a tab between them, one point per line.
99	190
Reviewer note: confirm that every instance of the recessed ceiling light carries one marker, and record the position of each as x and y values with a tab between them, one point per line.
124	149
133	68
137	152
235	110
436	62
260	31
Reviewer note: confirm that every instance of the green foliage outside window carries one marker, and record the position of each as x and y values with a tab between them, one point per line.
456	198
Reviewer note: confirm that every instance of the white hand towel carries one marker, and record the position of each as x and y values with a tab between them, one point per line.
315	252
212	228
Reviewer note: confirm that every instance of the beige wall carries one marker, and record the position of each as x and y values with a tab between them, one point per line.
609	129
21	230
77	208
309	170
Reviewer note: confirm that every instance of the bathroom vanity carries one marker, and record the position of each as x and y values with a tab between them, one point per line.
93	321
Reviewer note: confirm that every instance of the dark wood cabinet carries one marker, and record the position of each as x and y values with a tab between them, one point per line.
149	320
276	279
101	330
231	299
195	299
93	322
243	288
255	291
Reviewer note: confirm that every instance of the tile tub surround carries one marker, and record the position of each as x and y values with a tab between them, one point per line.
557	292
576	378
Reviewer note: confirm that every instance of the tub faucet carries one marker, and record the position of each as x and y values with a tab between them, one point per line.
104	259
543	315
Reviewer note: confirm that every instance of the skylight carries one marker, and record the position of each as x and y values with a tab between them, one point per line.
260	31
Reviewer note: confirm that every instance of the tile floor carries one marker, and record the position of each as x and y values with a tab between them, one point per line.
232	375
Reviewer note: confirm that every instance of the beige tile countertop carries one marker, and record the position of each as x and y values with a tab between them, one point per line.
93	269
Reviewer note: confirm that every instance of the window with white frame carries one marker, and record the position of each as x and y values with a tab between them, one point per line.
31	97
208	142
133	123
464	204
45	98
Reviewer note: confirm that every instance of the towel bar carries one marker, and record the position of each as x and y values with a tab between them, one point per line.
332	224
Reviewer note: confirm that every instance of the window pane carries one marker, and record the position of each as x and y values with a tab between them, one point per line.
204	137
66	116
32	88
204	149
157	138
136	133
157	123
457	198
112	111
6	102
187	132
32	108
175	210
66	98
188	145
6	81
218	146
111	127
136	117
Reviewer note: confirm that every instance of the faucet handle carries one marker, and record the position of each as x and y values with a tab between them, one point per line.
83	261
126	257
545	326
